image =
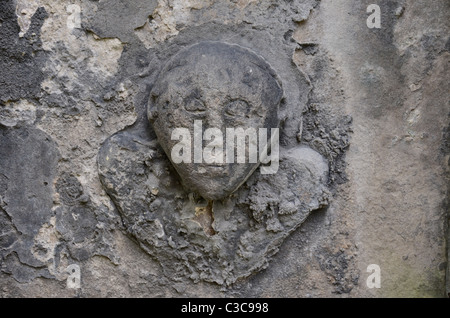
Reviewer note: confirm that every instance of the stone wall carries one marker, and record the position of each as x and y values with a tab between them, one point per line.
77	152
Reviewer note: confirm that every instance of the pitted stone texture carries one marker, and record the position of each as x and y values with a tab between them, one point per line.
223	86
27	166
245	231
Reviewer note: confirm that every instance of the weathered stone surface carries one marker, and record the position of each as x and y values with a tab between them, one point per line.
221	241
372	103
27	168
222	86
22	58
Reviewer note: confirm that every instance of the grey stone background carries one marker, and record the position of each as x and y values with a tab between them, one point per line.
377	108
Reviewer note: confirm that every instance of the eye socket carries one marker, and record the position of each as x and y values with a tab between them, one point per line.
237	108
195	106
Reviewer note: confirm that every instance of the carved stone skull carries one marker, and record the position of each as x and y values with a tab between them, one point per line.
219	86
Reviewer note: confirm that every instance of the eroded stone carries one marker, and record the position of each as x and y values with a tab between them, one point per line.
221	86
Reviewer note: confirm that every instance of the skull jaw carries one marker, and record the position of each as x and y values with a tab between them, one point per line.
213	183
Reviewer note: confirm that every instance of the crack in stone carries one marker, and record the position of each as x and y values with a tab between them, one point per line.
205	217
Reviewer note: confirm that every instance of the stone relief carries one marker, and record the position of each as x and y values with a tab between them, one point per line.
215	219
79	76
221	87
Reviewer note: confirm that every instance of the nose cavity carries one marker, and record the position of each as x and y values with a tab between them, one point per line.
214	117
